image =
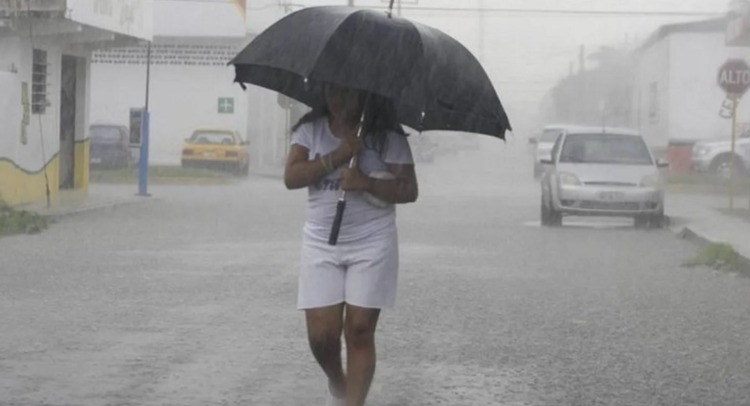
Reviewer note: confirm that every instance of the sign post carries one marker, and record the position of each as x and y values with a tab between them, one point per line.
145	133
734	79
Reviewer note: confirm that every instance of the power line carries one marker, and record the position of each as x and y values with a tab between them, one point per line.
225	2
569	12
626	13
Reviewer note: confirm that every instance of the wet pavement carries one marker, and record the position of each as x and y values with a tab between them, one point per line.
189	300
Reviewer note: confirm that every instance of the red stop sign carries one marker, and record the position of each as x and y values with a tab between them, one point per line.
734	77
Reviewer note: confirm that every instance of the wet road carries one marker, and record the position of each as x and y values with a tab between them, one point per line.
189	300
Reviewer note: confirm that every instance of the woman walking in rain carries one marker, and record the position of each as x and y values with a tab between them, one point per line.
343	287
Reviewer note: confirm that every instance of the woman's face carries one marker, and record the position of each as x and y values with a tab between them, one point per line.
343	103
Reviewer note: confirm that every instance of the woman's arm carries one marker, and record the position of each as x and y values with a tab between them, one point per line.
301	172
402	189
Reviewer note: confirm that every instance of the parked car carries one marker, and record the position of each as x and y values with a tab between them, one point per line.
715	156
544	144
602	172
222	150
110	146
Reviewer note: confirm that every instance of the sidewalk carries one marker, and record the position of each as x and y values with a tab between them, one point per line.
99	197
707	218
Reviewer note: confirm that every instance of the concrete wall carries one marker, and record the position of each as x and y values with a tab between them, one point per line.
24	158
652	94
30	150
268	128
183	98
696	98
684	68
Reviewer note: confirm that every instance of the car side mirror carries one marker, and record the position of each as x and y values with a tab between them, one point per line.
661	163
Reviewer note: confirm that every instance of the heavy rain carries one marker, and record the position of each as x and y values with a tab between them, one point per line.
380	202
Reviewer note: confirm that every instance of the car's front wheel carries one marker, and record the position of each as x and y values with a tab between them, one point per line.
657	220
550	216
650	221
722	166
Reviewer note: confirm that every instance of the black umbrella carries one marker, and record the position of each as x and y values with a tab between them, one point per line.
433	80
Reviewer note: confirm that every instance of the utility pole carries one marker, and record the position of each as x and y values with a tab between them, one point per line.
583	109
351	3
481	31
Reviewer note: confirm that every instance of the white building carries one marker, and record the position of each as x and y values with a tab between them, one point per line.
268	123
45	55
191	86
677	97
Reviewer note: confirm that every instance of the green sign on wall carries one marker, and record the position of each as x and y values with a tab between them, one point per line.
226	105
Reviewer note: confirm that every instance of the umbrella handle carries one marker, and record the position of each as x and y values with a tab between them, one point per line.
341	205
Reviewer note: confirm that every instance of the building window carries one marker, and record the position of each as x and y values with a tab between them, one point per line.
39	82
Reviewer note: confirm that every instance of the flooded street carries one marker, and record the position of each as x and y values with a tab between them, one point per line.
190	299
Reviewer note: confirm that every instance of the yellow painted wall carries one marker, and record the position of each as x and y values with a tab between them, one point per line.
18	186
82	174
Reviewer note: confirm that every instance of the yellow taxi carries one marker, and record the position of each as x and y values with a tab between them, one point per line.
222	150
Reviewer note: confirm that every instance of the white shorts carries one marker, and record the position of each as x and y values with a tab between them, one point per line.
362	273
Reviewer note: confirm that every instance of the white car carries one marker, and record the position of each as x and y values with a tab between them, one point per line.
544	145
715	156
595	171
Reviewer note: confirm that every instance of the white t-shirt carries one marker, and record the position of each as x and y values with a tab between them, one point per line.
361	218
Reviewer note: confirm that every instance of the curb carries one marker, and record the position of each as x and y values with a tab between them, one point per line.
685	232
165	181
83	209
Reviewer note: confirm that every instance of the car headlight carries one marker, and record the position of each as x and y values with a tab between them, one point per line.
651	181
569	179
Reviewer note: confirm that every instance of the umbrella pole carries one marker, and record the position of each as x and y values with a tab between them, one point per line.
341	205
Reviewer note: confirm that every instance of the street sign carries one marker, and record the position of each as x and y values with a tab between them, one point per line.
734	77
136	119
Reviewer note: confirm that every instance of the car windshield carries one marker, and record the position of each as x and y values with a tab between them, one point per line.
550	135
105	134
605	149
212	138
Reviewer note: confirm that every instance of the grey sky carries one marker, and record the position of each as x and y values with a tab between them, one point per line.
526	53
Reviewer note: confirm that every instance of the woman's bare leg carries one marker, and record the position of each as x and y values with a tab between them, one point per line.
359	330
324	326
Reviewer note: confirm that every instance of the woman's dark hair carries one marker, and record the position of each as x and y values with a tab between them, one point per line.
380	118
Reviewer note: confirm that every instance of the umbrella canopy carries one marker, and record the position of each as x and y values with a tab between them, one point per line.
433	80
